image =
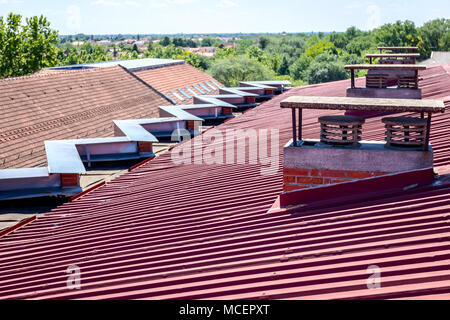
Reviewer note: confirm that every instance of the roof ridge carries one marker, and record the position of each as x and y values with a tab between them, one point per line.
136	77
44	75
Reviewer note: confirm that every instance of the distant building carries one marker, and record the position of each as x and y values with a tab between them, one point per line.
77	43
104	42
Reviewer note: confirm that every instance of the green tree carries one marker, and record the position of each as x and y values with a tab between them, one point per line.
165	41
284	67
256	53
401	33
222	53
320	47
319	72
263	42
338	39
352	33
231	70
360	44
297	70
243	45
39	44
26	48
444	42
206	42
273	61
433	31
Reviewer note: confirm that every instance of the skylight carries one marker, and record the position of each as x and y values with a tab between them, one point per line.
178	96
185	94
211	86
170	99
191	91
205	87
217	84
199	90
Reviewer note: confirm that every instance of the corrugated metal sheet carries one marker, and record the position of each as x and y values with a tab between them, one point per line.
167	231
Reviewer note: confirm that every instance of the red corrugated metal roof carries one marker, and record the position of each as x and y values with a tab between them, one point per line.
167	231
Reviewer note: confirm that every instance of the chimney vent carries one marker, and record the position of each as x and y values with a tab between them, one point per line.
341	130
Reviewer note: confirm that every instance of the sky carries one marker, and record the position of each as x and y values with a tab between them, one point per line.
223	16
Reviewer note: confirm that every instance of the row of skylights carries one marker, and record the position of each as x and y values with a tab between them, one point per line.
189	93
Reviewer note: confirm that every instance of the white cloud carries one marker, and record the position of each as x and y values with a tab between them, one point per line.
157	4
11	1
227	4
132	3
106	3
166	3
354	5
113	3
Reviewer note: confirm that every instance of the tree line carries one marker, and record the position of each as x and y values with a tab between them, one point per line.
304	58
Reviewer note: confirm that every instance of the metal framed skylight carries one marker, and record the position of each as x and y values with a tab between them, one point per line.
205	87
178	96
198	89
191	91
170	99
211	86
185	94
216	83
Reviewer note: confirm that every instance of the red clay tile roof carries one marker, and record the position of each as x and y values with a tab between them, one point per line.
67	105
172	78
169	231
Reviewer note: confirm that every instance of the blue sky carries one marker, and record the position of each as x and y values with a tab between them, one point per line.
215	16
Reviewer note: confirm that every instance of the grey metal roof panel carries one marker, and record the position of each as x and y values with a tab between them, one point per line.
198	106
223	96
95	140
239	92
215	101
258	85
63	158
24	173
273	82
179	113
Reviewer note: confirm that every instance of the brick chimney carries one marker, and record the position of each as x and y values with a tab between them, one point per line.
340	155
